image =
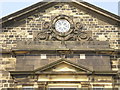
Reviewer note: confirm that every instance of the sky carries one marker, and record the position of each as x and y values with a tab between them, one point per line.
10	6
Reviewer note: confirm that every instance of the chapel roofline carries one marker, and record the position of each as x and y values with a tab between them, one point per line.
14	17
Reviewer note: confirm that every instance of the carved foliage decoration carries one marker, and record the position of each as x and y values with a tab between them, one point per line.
75	32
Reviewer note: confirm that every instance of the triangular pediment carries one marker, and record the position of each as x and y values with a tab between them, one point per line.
62	66
42	6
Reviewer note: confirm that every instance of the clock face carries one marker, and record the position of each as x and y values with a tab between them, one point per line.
62	25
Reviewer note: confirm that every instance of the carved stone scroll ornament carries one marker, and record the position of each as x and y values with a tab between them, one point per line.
42	35
78	26
74	33
70	37
84	36
46	25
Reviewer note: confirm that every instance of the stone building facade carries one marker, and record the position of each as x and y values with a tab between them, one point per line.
52	45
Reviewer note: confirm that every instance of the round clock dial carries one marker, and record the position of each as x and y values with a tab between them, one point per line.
62	25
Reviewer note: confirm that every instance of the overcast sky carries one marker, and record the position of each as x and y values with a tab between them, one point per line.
10	6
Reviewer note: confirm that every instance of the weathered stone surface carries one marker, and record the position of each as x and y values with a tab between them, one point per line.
21	35
65	45
89	22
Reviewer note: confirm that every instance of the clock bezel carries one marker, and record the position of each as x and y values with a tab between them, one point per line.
63	17
66	29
